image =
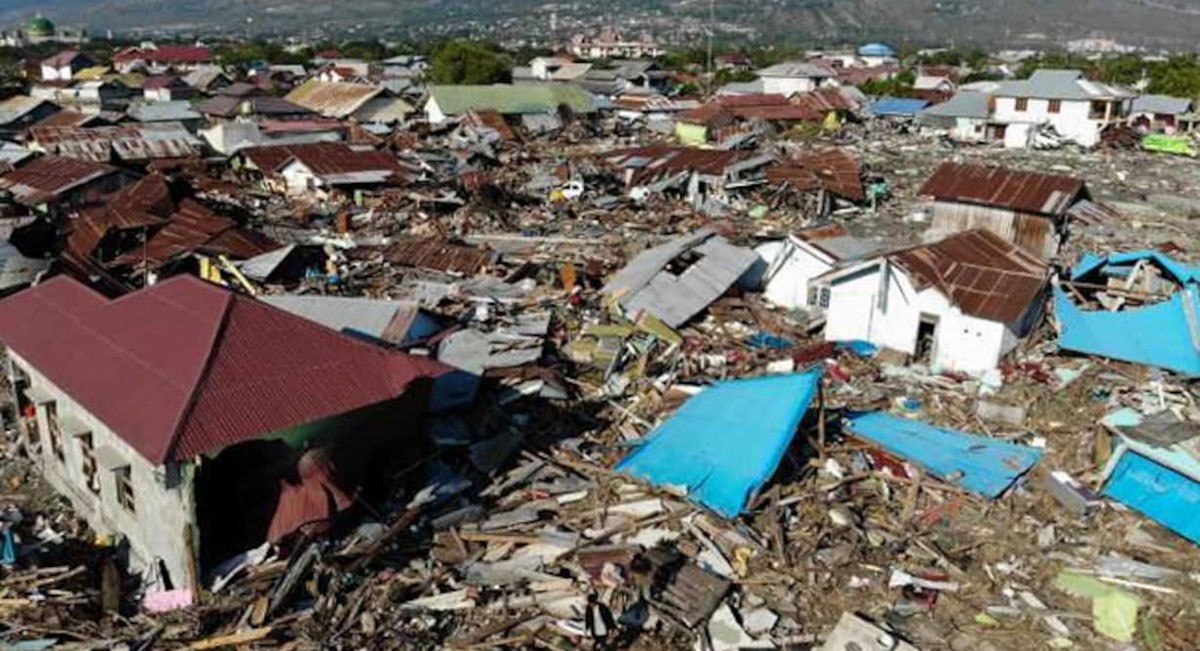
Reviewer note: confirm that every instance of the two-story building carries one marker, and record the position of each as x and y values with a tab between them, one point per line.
193	423
1078	109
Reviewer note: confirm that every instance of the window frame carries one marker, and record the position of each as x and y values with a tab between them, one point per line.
1021	105
125	493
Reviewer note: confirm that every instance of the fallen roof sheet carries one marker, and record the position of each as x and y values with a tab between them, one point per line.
726	442
186	368
374	319
1150	482
980	464
441	255
1031	192
834	170
647	285
1166	334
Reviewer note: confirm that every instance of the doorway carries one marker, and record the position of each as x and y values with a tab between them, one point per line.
926	350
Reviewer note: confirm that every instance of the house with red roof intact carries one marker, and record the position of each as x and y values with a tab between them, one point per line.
194	423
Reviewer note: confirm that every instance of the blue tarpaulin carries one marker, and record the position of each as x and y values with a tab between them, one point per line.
1164	335
898	106
1168	497
988	466
725	442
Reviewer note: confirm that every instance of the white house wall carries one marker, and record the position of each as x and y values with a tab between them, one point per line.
787	284
162	513
1072	121
788	86
962	342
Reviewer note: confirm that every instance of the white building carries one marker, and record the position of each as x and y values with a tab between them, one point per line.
64	65
1076	108
611	43
960	304
791	77
790	264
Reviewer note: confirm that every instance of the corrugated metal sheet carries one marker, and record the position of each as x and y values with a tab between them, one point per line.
980	272
655	162
45	178
835	170
1031	192
130	143
377	319
332	99
441	255
647	284
185	368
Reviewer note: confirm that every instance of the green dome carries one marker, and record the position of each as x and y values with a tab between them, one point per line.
39	27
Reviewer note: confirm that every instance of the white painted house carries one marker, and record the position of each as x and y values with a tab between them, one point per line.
64	65
960	304
791	77
790	264
1078	109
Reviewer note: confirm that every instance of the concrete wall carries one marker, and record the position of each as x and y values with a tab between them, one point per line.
888	314
1072	121
163	505
791	264
788	86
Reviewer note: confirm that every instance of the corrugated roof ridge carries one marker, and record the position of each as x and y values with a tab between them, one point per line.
202	377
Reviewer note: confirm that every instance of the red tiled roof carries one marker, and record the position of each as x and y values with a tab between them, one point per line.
982	273
186	368
1029	192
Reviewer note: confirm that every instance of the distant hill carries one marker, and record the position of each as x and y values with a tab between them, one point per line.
992	22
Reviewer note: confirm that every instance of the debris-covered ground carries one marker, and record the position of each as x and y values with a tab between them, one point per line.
519	532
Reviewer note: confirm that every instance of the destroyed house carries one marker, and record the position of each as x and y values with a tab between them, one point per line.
960	304
729	114
157	412
701	173
1029	209
1145	293
677	280
1076	108
321	167
333	99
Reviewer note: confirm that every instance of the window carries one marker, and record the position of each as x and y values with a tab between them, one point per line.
54	430
824	298
125	488
813	295
1055	106
1098	110
1022	104
87	455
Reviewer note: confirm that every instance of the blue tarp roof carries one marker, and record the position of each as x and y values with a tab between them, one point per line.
898	106
988	466
725	442
1089	262
1168	497
1159	335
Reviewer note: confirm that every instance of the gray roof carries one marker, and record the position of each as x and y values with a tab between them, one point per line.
741	88
1161	105
163	111
964	104
14	108
645	284
12	153
796	69
388	321
846	247
1061	84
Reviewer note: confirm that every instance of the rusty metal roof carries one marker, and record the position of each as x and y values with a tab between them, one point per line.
835	170
184	368
441	255
45	178
323	158
129	142
194	227
658	161
983	274
1031	192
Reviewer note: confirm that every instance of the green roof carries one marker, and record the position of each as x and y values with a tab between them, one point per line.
512	99
39	26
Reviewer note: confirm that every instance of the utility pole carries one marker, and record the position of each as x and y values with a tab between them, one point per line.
708	67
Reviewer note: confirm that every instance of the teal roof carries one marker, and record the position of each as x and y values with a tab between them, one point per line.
510	99
39	26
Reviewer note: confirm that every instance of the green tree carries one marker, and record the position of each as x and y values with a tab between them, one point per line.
900	85
463	61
